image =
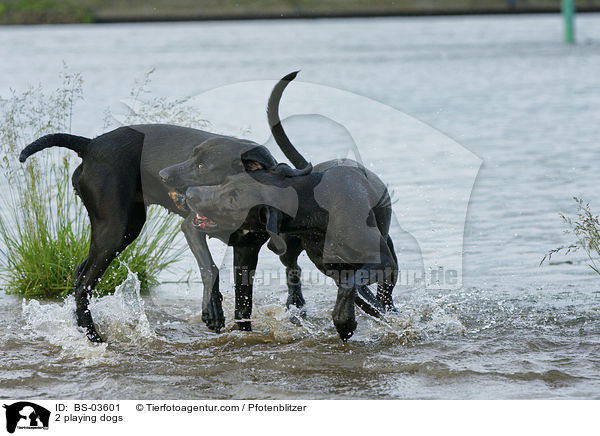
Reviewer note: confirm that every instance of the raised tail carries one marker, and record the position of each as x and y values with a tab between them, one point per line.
76	143
275	123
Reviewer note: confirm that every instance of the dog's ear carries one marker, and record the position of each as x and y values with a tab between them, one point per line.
258	158
272	224
284	170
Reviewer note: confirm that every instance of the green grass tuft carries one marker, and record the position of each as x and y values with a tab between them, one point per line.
585	227
44	228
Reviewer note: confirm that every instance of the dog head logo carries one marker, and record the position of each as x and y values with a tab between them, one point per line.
26	415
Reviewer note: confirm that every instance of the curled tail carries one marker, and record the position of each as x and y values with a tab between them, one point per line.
275	123
76	143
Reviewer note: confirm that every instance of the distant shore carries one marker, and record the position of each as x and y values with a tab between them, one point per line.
332	14
114	11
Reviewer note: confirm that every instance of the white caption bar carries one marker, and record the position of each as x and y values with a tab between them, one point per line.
260	417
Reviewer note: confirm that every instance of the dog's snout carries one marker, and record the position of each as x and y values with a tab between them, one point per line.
164	175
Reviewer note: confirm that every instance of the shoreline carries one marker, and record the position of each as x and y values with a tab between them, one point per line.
299	15
306	14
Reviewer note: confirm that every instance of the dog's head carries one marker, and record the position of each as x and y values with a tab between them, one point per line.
216	159
252	201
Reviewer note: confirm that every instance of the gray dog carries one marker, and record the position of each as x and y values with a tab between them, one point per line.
339	211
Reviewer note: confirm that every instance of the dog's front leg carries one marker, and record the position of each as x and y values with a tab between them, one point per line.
344	316
245	259
212	309
83	314
293	272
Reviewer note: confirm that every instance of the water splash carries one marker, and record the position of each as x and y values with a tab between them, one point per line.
419	318
119	318
286	325
56	324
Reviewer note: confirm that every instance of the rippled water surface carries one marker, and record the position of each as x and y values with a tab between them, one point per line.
505	88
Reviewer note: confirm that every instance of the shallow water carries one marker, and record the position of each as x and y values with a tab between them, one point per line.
505	88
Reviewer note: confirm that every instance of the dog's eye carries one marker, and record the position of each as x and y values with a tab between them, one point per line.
253	166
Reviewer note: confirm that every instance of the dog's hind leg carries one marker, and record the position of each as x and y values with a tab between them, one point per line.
78	271
109	238
368	302
293	272
388	277
212	309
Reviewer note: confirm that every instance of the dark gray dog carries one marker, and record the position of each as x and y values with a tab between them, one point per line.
340	213
119	178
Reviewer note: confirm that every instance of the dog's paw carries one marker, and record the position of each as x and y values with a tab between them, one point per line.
296	316
391	309
345	328
85	322
387	304
213	316
244	326
93	335
344	319
295	298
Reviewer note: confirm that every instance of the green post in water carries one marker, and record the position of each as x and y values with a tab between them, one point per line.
568	12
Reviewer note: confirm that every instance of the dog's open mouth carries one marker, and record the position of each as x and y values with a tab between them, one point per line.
203	223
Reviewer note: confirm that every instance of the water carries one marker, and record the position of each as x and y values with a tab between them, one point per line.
505	88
